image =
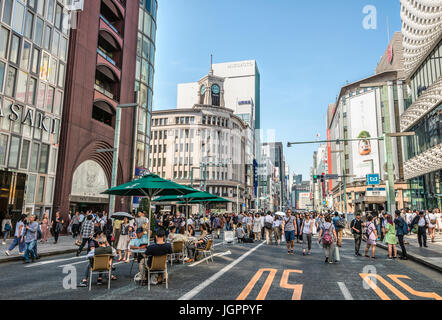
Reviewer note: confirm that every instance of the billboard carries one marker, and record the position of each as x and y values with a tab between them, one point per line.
362	123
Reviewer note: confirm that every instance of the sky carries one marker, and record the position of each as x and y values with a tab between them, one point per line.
305	51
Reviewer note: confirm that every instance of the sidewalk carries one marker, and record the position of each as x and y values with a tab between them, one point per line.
431	256
65	245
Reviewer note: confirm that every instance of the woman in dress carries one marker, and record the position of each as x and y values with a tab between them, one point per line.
372	236
390	237
57	226
257	227
123	240
45	232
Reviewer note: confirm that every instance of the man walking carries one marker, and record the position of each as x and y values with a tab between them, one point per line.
268	226
422	222
87	231
30	239
401	231
339	225
290	231
356	229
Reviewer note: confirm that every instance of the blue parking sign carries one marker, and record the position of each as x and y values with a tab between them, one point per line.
373	179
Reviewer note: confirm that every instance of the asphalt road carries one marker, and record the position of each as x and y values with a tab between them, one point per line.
240	271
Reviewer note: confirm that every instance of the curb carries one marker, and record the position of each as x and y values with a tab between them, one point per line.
413	257
44	254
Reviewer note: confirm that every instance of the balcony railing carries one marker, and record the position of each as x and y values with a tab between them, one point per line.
109	24
104	91
105	56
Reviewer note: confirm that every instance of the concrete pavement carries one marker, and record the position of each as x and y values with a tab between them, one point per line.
66	244
239	271
430	257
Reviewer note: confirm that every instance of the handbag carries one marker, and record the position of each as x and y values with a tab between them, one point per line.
268	225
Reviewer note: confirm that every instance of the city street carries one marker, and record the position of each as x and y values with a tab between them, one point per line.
239	272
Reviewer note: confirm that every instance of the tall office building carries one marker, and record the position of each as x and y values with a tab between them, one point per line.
101	69
33	56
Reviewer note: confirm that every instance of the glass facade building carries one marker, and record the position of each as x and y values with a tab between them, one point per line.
144	75
33	56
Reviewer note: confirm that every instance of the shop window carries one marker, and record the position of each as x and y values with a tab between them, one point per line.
3	148
14	149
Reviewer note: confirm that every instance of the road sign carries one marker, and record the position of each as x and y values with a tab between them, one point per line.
373	179
332	176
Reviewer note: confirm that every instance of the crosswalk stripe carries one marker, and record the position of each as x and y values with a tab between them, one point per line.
347	295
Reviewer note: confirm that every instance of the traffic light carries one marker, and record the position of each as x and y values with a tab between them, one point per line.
322	177
315	178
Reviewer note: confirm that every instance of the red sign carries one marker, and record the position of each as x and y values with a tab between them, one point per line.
390	53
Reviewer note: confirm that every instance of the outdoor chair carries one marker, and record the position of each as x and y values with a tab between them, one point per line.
101	263
207	250
158	266
178	250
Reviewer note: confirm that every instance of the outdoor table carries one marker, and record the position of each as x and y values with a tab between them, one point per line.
136	253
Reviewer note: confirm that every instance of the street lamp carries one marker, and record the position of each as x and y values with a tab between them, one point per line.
116	151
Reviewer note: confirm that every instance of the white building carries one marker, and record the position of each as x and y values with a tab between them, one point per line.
203	145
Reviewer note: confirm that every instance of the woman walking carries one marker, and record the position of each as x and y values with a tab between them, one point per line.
306	233
371	238
328	237
75	225
257	227
432	225
390	238
45	232
6	228
123	240
57	226
277	229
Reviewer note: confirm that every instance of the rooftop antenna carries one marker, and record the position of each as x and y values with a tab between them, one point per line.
388	30
211	64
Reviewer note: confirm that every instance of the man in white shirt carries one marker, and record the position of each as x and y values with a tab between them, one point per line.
268	226
261	217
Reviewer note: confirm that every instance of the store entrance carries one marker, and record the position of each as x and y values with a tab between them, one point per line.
81	206
12	192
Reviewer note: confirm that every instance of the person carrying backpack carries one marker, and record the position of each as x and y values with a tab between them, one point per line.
401	231
372	236
339	224
6	228
327	235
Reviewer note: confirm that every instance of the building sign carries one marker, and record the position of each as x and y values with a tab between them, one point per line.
30	117
390	53
89	180
244	102
255	177
75	5
373	179
376	192
363	125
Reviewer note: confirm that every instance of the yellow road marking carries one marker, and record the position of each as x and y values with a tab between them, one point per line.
379	292
265	288
396	278
297	288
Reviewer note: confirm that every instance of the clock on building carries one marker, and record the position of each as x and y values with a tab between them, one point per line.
215	89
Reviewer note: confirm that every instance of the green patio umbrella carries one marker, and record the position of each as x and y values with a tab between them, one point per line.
186	199
150	186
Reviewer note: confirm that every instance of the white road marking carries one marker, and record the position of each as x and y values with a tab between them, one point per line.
51	261
344	290
72	264
215	255
213	278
